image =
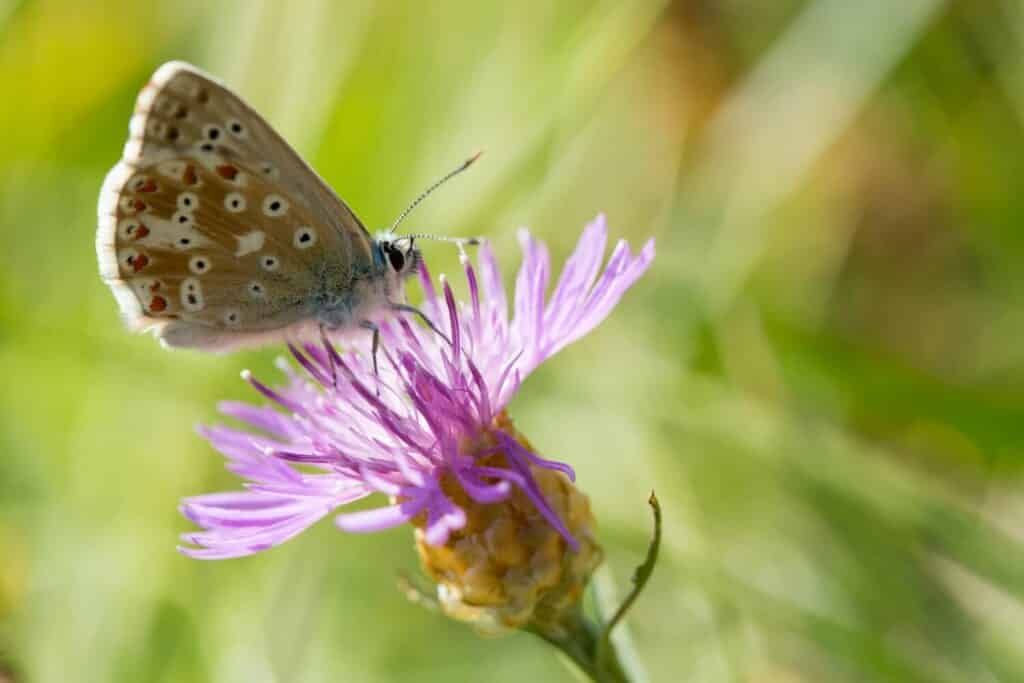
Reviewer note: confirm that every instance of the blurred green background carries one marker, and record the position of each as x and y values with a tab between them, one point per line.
821	375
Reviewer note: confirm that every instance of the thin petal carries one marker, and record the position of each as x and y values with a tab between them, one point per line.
380	518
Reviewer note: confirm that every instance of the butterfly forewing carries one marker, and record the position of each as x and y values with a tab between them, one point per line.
212	229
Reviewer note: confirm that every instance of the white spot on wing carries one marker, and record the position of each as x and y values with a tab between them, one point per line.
192	295
182	218
304	237
163	105
156	128
269	170
257	290
188	201
199	264
250	242
127	258
234	202
237	129
126	229
275	205
269	263
172	169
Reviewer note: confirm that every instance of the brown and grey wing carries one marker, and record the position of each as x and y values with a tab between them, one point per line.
184	248
211	222
190	108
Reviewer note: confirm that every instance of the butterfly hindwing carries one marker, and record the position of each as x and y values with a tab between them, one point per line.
212	229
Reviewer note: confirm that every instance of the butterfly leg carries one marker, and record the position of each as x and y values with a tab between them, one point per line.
372	326
406	308
328	349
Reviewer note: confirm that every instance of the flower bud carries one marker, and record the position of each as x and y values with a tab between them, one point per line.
509	568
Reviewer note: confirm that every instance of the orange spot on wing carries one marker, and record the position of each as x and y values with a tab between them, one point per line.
158	304
139	205
140	232
227	171
148	186
190	176
140	262
155	286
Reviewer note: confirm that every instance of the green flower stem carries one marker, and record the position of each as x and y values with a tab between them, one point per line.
589	646
579	643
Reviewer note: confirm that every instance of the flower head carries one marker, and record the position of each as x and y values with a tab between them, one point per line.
430	431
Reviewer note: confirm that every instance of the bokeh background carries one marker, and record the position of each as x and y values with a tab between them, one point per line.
821	375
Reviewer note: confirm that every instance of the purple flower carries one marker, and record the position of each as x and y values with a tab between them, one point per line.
430	420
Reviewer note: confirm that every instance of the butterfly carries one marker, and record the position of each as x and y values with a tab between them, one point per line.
216	235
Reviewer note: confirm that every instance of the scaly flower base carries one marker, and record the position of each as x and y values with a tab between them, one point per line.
508	568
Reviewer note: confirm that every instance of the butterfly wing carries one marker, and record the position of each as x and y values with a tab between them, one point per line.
212	230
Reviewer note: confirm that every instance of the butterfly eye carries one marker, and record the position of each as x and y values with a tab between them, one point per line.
396	258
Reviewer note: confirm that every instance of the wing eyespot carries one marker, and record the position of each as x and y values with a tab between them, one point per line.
192	295
269	170
200	265
182	218
304	237
275	206
235	202
238	129
256	289
131	229
188	202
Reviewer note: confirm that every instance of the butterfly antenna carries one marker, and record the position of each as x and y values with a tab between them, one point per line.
426	193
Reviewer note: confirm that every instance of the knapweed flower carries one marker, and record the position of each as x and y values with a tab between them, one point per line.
503	531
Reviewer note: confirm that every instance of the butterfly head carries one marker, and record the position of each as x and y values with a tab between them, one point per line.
398	256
